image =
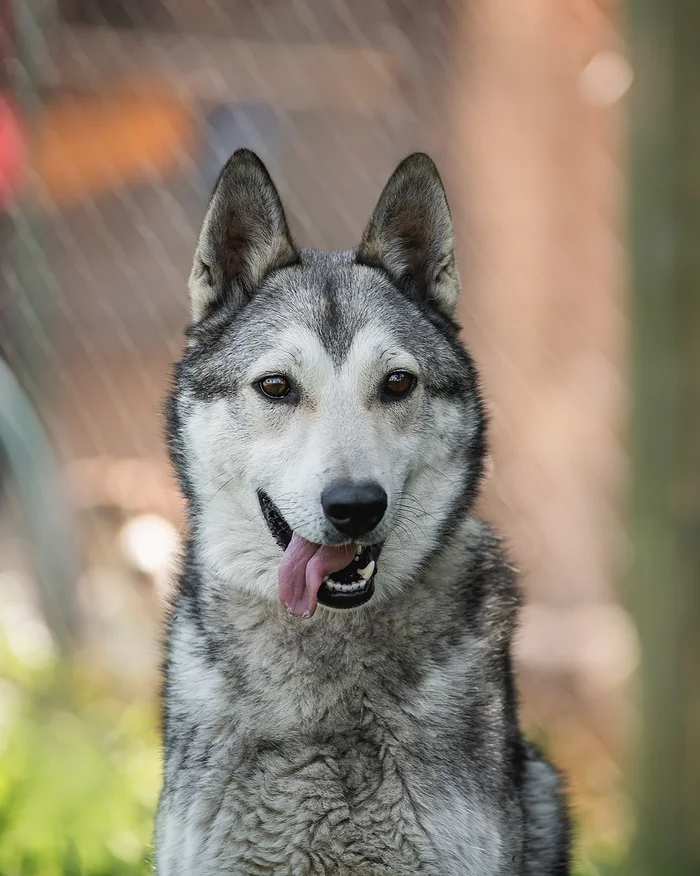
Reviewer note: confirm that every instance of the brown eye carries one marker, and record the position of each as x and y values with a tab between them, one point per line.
398	384
275	386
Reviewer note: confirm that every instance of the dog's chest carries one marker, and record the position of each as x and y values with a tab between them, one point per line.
335	806
314	804
307	776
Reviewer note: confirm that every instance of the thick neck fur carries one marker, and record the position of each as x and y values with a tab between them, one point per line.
306	671
395	691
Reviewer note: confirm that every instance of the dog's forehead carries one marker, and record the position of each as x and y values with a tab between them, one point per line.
299	350
333	306
334	299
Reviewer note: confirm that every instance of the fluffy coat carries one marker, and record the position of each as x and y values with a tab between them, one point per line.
376	741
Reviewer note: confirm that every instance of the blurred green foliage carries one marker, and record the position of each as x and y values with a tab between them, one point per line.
79	772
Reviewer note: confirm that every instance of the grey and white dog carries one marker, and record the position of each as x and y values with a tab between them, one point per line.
339	694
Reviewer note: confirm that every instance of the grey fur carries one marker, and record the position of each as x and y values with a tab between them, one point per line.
410	234
375	741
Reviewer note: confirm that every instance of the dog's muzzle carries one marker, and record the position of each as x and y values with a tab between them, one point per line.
349	587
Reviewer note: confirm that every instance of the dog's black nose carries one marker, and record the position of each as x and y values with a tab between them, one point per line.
354	509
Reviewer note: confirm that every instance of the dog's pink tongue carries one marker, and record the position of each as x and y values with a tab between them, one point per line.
303	569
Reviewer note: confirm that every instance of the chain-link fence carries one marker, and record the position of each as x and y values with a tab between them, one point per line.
130	108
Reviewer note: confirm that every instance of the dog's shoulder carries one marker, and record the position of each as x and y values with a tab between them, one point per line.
483	589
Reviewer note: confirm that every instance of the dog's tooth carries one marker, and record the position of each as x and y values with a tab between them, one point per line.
368	570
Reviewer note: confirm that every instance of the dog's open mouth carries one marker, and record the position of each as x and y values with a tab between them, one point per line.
339	576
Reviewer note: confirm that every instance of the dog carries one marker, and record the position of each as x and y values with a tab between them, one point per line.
339	693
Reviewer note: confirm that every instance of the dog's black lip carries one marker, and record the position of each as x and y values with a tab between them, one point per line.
278	526
335	599
282	533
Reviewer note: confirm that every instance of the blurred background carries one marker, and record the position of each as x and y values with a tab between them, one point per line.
115	117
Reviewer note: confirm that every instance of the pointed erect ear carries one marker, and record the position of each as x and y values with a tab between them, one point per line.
411	237
244	236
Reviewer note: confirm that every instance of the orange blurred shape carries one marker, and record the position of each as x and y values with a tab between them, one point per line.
90	145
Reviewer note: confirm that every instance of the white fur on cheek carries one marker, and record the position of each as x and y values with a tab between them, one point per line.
235	543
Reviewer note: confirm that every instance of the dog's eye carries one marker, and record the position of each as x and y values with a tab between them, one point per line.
398	384
275	386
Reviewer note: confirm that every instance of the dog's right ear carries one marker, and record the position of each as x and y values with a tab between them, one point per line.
244	236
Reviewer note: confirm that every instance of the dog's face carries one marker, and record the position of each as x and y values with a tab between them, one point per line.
325	408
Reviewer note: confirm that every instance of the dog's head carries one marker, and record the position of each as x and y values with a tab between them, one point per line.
326	422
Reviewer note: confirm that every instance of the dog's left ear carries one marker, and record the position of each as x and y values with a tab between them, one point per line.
244	237
411	236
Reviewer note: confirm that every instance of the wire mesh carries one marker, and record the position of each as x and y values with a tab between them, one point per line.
131	108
